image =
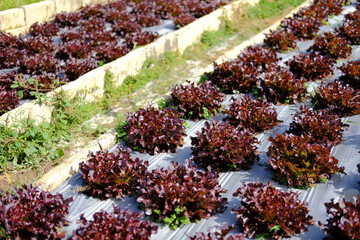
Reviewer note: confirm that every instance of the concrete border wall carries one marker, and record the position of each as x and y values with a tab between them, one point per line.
18	20
91	84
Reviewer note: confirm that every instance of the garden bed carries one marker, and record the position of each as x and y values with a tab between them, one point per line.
338	186
91	84
330	187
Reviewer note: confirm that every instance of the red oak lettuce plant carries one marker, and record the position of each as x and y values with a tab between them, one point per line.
343	221
351	74
112	174
332	44
338	98
109	52
333	6
197	102
74	68
271	213
298	163
39	44
139	38
224	147
257	115
183	19
67	19
147	19
280	86
232	76
323	128
10	57
240	74
306	22
32	213
46	29
260	58
122	28
180	194
280	40
8	100
353	15
75	48
350	29
311	66
38	63
154	130
7	79
120	224
8	40
302	27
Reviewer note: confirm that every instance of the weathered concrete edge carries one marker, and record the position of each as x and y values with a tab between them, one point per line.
18	20
130	64
55	177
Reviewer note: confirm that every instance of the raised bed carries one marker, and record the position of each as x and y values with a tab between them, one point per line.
91	84
18	20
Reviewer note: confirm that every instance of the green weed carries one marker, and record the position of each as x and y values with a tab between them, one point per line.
269	234
121	132
164	103
175	220
152	69
26	145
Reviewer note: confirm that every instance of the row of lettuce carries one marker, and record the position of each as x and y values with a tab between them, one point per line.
183	193
61	50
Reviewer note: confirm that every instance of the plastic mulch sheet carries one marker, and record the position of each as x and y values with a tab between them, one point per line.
348	154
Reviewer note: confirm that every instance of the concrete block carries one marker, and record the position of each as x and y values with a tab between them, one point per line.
67	5
213	20
119	69
39	12
127	65
231	11
107	140
251	2
21	30
41	113
189	34
89	86
12	18
92	2
19	113
136	60
59	174
166	43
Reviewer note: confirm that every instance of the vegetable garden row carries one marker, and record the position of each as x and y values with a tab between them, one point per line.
249	100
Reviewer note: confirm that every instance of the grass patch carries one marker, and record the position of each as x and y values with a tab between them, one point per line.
269	8
26	145
152	69
8	4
